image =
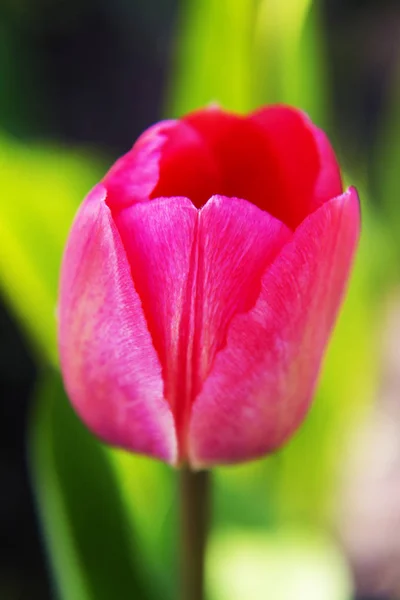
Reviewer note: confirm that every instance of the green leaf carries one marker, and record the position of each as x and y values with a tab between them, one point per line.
289	57
149	493
214	56
248	53
41	190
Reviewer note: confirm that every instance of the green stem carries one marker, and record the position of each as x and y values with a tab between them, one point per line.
194	521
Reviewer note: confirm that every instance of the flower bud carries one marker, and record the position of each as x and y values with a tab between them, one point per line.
200	283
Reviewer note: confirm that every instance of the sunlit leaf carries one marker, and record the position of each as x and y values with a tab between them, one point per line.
41	190
289	57
213	59
149	494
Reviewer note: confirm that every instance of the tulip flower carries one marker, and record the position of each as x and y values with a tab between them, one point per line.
200	283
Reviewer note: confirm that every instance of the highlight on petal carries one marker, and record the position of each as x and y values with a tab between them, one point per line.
261	383
110	367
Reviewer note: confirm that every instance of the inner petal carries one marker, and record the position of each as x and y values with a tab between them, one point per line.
246	162
194	270
275	158
187	167
307	173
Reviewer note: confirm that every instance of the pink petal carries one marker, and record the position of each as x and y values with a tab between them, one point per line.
187	167
194	270
134	176
261	383
236	243
307	173
158	237
245	161
169	159
111	370
275	158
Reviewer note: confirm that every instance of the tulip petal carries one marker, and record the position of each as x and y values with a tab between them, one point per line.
240	149
170	159
237	241
111	370
134	176
158	237
187	167
194	270
307	170
275	158
261	383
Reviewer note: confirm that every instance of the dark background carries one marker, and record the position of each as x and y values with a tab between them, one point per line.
93	72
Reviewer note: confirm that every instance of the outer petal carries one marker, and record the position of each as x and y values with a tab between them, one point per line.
194	270
261	384
237	242
110	367
158	237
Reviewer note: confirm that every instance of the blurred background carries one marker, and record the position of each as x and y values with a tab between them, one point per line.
80	80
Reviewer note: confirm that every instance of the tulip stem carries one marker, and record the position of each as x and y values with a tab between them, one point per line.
194	521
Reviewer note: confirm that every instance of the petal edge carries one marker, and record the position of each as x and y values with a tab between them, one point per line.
261	384
111	370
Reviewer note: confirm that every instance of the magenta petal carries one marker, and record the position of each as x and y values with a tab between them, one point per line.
261	383
158	237
110	367
134	176
306	170
237	241
187	167
194	270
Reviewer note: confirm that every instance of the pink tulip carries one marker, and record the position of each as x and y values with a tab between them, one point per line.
200	284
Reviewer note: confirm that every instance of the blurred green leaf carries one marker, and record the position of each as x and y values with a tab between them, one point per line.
41	190
213	60
248	53
149	492
93	549
289	57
